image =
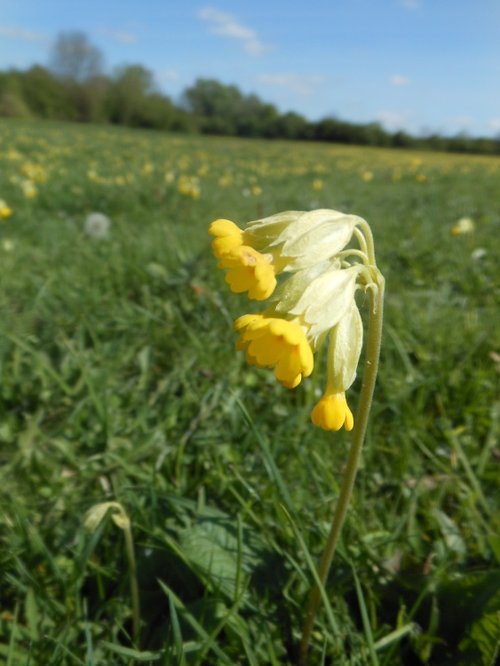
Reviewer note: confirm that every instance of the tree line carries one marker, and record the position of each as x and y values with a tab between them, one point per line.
73	86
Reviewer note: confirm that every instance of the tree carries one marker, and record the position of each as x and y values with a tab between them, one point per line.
74	58
131	87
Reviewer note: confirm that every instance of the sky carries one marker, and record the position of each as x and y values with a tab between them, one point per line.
418	65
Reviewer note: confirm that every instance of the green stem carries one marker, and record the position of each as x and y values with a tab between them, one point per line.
360	424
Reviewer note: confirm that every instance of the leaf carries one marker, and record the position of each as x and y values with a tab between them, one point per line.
32	614
471	617
136	655
484	638
219	552
451	533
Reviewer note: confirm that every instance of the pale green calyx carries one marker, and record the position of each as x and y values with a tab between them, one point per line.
302	238
346	341
319	301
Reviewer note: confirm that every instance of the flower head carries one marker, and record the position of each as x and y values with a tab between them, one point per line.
97	225
301	264
272	342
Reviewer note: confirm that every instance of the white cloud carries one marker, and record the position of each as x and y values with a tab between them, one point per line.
393	121
399	80
167	75
494	123
298	83
227	26
461	121
117	35
410	4
12	32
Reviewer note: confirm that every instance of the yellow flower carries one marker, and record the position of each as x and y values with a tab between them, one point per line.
272	342
189	186
332	412
29	189
465	225
315	302
5	210
249	270
228	236
284	242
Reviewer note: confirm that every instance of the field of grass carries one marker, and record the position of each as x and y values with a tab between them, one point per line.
119	383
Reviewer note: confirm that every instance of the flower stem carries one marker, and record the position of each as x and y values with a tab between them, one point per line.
360	424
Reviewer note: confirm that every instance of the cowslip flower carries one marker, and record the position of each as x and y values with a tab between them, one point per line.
300	263
304	266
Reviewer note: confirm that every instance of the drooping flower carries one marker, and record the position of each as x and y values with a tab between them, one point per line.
299	262
284	242
274	342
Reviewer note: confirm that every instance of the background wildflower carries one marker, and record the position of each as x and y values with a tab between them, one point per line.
465	225
97	225
5	210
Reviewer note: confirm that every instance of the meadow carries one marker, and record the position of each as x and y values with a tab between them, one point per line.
163	502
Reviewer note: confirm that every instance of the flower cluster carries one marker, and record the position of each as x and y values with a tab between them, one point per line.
314	303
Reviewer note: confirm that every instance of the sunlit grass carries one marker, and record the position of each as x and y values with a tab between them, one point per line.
119	382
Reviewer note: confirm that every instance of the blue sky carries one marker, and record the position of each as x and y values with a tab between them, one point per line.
419	65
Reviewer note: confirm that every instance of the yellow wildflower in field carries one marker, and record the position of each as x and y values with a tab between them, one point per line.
316	302
465	225
317	184
5	210
29	189
225	180
33	172
13	155
189	186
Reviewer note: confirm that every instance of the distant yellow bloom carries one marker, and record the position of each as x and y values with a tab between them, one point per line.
33	172
189	186
317	184
367	176
465	225
225	180
5	210
29	189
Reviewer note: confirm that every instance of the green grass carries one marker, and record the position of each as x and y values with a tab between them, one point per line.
119	382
